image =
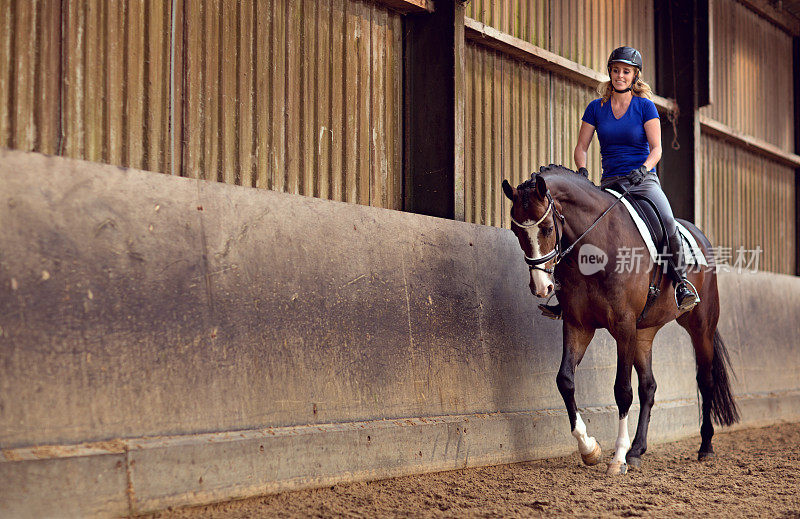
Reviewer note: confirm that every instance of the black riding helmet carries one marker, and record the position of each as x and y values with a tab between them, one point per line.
627	55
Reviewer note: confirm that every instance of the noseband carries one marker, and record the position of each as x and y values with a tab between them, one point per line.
533	263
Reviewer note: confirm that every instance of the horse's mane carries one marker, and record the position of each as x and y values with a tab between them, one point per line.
552	170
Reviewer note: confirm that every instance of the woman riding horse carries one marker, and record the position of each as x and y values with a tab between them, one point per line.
556	210
629	131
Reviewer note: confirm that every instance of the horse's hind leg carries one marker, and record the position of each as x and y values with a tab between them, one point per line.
642	361
703	343
712	370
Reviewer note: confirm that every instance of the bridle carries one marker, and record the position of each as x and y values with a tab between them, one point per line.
557	253
534	263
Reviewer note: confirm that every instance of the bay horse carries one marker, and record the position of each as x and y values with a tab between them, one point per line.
549	213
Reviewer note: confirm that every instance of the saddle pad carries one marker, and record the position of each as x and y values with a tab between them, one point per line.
692	253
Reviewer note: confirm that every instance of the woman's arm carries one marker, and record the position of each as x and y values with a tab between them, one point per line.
652	129
584	138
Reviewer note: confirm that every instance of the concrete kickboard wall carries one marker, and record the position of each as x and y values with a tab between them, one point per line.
223	341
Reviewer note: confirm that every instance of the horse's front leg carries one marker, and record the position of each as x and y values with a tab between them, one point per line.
576	340
625	336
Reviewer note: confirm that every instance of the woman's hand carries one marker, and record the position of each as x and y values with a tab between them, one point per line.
636	176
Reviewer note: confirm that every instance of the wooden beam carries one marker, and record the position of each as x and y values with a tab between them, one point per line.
780	17
525	51
409	6
765	149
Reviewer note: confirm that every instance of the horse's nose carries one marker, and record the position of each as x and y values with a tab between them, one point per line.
543	292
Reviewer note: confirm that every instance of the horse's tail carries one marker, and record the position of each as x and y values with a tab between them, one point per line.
723	407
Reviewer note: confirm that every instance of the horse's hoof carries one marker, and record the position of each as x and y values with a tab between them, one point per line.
705	456
634	462
593	458
617	468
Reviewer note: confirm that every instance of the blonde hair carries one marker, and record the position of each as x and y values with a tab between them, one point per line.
640	88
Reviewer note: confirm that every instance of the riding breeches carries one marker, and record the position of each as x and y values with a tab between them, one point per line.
650	188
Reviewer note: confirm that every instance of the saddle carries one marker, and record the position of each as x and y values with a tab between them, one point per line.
649	215
651	226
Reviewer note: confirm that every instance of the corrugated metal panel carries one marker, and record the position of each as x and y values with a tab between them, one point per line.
527	20
748	202
29	79
544	109
584	31
569	103
90	80
508	128
298	96
506	124
116	83
752	70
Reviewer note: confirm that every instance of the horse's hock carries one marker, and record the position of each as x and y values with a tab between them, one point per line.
166	341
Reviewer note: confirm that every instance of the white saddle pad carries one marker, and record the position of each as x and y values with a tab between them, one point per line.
692	253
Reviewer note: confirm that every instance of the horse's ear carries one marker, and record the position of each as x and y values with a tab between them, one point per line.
508	190
541	186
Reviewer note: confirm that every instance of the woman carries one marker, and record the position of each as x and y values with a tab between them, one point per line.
629	131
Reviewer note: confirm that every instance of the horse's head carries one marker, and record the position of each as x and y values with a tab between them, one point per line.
533	222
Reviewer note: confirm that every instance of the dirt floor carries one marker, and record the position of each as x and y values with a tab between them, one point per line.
756	474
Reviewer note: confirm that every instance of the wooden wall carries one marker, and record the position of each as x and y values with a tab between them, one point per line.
302	96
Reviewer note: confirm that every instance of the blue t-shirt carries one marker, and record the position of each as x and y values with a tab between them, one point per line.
623	142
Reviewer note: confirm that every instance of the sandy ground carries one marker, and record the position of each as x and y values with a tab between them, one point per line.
756	474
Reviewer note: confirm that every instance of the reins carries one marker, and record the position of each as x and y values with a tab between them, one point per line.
557	253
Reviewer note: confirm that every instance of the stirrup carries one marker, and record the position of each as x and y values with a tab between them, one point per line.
551	311
688	305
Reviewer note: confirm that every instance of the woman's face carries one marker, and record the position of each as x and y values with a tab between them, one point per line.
622	75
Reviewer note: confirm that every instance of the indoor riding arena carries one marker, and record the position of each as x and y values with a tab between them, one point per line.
256	260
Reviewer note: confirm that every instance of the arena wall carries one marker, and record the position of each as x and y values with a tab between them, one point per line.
167	341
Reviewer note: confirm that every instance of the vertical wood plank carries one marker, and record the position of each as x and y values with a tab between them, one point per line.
351	89
23	63
228	102
469	133
247	71
134	64
364	50
74	80
6	64
339	96
47	85
308	112
323	127
114	92
379	184
262	91
280	80
293	93
194	158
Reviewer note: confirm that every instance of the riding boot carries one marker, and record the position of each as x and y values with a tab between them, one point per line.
685	298
551	311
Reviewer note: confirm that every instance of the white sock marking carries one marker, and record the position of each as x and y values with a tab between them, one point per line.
623	444
586	444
